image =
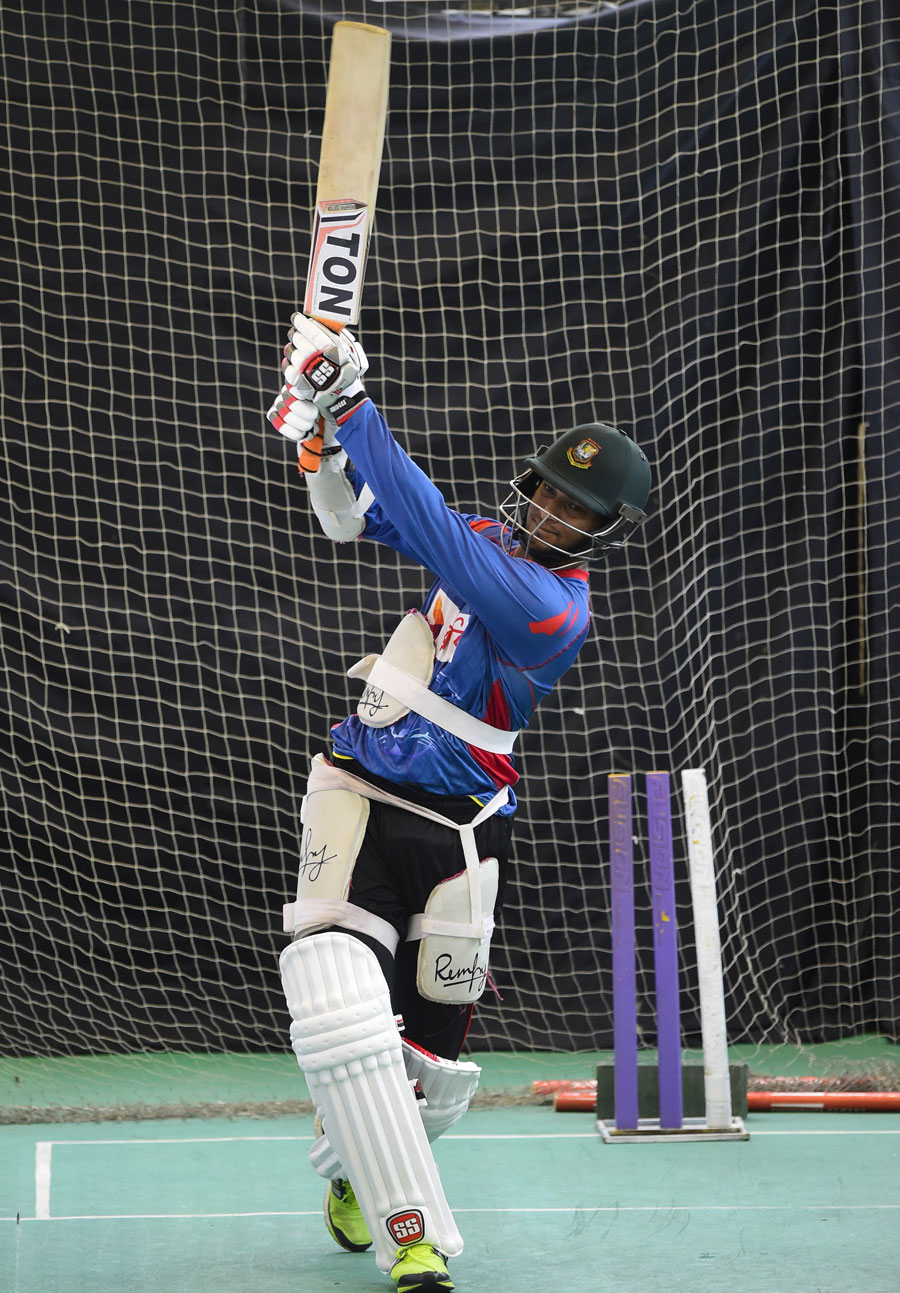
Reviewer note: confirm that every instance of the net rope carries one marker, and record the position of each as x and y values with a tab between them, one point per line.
679	219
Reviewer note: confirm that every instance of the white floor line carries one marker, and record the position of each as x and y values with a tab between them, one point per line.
834	1131
43	1153
583	1208
492	1136
175	1140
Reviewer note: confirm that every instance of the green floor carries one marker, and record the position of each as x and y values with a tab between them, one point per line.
181	1084
810	1202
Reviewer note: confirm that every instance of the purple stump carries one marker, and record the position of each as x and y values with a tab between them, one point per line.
621	860
665	949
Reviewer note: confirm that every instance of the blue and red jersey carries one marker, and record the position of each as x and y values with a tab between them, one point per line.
505	628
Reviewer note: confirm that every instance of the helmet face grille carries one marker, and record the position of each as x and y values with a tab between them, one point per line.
613	534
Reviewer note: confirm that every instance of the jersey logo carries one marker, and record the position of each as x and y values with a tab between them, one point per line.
555	623
448	623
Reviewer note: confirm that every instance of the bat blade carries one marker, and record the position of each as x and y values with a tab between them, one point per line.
349	164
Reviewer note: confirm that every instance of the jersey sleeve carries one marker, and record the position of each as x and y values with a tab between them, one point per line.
377	526
530	612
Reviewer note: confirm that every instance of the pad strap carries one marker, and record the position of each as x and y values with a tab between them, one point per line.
326	776
364	502
424	924
322	912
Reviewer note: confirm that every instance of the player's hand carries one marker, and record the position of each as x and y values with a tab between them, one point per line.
300	421
322	371
323	367
294	416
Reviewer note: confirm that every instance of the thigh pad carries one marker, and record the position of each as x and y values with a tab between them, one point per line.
333	827
453	960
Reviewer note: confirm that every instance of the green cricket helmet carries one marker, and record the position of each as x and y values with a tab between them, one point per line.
601	468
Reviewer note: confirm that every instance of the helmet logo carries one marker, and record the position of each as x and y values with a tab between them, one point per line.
582	453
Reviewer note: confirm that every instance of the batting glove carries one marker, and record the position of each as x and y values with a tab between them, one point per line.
325	368
294	416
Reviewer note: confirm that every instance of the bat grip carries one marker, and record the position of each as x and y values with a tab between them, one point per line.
310	456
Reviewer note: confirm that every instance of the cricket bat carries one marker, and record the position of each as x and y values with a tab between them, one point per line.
349	162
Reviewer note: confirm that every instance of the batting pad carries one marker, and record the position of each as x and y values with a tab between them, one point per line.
348	1045
447	1085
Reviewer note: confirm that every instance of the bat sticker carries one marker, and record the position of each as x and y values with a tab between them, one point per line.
338	261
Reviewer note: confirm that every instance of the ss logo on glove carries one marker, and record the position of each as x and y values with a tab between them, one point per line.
320	372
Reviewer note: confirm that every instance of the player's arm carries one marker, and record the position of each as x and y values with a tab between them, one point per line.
324	372
505	593
531	613
321	364
314	363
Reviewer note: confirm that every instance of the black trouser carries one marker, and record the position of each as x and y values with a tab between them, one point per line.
402	858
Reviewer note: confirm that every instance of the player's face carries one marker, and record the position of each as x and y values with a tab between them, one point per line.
553	518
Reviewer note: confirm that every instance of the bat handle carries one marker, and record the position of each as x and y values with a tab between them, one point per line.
310	458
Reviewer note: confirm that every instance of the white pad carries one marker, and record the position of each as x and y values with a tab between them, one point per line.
348	1045
324	1160
456	940
334	826
447	1085
397	681
334	501
410	649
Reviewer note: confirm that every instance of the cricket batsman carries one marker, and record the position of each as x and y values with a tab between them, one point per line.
407	816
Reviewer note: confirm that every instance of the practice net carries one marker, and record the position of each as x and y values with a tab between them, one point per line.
677	218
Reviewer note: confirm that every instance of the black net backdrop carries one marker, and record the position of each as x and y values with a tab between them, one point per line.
681	217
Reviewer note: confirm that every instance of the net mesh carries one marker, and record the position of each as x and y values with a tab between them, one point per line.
678	218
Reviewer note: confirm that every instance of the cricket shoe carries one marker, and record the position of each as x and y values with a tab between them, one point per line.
344	1218
420	1266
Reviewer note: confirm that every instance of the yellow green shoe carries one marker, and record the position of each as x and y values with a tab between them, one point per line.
420	1266
344	1218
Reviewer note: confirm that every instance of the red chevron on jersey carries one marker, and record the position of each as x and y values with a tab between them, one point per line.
564	620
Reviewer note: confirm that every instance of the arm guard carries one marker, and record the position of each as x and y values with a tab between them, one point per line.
341	515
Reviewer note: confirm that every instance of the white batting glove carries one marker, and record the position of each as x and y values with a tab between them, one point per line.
294	417
324	368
